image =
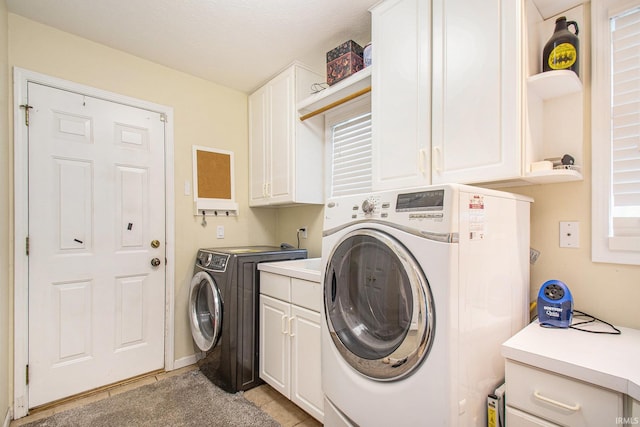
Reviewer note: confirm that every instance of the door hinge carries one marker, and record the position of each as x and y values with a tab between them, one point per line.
163	117
27	374
26	107
27	245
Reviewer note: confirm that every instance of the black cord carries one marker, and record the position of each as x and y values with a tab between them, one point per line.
298	236
591	320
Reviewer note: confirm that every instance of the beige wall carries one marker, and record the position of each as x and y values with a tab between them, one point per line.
292	218
608	291
204	114
5	319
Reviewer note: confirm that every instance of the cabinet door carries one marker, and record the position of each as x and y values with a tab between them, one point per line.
522	419
281	107
634	410
275	344
258	146
477	102
562	400
401	101
306	383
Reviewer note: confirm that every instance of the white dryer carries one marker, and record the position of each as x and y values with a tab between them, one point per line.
421	287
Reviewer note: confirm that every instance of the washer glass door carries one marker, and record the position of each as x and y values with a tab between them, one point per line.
378	305
205	311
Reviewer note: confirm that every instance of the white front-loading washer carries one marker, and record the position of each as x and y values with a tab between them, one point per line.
421	287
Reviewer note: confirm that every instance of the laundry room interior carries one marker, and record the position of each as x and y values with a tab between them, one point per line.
489	216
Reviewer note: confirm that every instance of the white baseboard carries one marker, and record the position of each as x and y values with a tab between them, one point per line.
186	361
7	418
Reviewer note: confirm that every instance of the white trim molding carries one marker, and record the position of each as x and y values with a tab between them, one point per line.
7	418
21	77
187	360
604	246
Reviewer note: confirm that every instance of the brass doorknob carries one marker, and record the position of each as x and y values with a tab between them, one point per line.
155	262
155	244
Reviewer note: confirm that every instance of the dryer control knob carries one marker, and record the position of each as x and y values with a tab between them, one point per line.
368	206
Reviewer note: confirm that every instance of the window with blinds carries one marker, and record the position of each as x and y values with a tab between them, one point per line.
351	156
625	130
615	133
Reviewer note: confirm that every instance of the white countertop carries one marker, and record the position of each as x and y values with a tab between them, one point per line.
610	361
305	269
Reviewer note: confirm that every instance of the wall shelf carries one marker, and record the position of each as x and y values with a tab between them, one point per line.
549	8
553	84
342	89
551	176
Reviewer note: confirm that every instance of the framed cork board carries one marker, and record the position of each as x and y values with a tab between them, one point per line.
213	181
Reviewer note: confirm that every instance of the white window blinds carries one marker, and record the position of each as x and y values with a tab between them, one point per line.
625	130
351	157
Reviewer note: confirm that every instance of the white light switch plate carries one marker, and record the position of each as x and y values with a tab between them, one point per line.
220	232
569	234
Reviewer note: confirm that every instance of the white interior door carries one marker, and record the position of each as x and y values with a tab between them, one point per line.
96	203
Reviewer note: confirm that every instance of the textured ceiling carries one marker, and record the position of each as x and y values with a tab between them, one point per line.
236	43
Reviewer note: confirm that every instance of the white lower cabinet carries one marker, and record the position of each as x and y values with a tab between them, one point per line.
536	397
518	418
290	340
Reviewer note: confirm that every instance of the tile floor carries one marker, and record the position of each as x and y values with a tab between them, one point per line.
266	398
279	407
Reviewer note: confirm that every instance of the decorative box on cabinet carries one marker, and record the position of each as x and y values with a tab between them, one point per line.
400	98
285	154
290	338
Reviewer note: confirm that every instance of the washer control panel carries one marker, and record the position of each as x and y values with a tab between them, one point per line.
212	261
427	210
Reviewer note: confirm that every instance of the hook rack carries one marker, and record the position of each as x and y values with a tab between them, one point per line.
218	209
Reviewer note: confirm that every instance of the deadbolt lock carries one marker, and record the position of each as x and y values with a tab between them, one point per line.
155	244
155	262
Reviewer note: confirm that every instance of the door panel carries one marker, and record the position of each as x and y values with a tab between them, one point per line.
132	206
96	200
72	301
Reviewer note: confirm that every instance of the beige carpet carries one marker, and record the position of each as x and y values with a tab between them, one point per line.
189	399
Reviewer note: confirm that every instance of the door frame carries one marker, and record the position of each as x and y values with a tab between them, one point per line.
21	78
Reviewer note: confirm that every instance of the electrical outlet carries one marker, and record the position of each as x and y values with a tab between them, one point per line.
303	232
533	255
569	234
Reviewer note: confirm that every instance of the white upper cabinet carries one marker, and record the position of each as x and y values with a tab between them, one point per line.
457	95
401	101
285	154
477	90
